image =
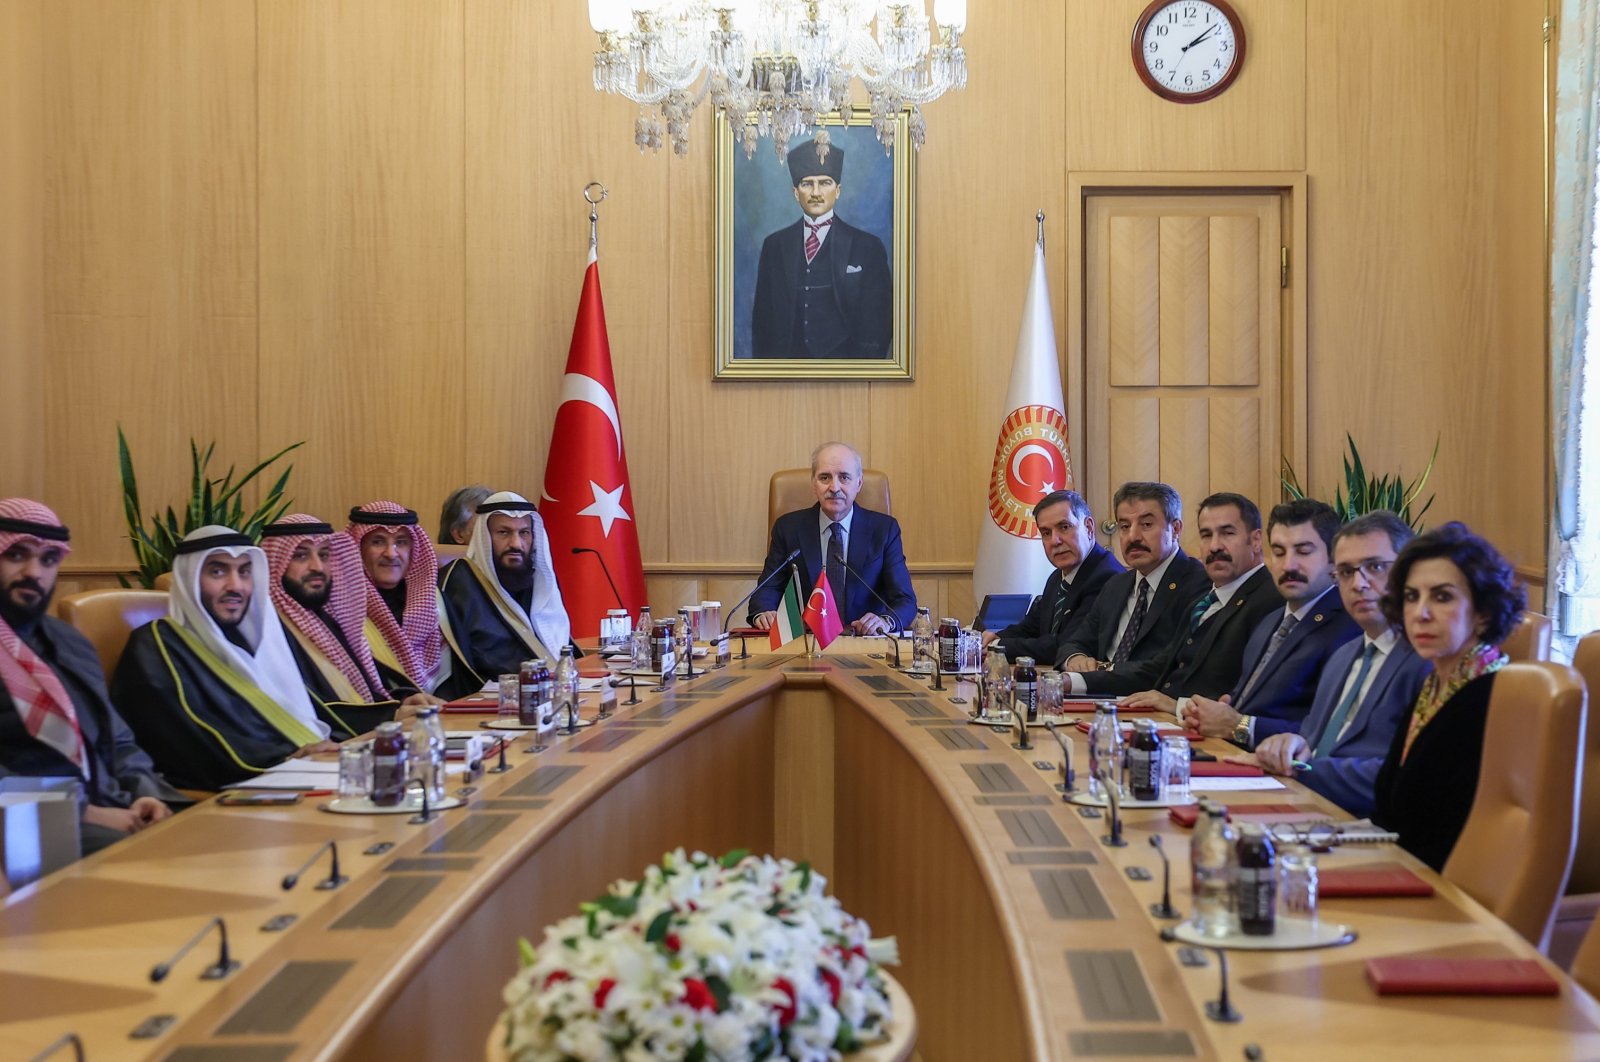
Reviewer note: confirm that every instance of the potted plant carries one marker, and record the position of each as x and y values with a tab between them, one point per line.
1364	493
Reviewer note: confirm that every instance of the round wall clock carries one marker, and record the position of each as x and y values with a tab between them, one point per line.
1188	51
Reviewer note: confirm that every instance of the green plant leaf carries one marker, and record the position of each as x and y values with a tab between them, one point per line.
657	932
734	858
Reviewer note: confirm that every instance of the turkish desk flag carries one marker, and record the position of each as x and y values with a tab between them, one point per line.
822	615
1030	456
587	498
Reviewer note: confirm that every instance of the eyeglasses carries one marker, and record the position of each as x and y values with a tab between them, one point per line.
1374	570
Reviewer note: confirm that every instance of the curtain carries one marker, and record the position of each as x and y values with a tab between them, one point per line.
1574	320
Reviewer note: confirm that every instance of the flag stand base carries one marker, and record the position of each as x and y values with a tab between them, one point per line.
812	652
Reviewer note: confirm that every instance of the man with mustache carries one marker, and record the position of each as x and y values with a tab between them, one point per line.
319	592
1083	566
1286	653
401	573
822	285
858	548
1138	610
55	718
1206	653
501	602
1368	684
213	689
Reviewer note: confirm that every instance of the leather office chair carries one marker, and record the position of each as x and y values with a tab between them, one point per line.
107	617
448	553
1516	850
1578	908
164	582
1585	965
1530	640
790	489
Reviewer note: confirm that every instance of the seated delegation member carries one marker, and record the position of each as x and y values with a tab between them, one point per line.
501	602
859	549
1457	599
401	575
1082	566
1368	684
212	689
55	718
457	513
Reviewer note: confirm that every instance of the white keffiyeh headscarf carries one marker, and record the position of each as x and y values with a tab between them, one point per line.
545	625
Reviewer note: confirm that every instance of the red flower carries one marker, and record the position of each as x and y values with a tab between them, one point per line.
603	992
672	942
698	995
786	1014
555	978
831	979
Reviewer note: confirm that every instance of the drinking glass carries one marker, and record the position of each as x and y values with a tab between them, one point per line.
355	769
510	694
1297	882
1052	691
1175	768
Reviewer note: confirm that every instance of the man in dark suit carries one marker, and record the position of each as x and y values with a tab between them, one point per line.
1205	656
1367	684
858	548
1066	530
1285	655
822	285
1138	611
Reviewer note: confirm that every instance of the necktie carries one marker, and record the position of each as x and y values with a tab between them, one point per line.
1200	609
1330	734
813	241
1130	635
1061	607
836	563
1278	636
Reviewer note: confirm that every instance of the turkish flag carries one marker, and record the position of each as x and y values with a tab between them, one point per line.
821	614
587	500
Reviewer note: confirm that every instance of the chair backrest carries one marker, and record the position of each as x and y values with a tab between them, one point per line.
1585	968
790	489
164	582
1516	849
107	617
1530	640
1585	877
448	553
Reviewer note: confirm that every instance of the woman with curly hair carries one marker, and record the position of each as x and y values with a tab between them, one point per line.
1457	599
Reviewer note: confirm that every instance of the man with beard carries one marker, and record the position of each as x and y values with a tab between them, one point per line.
1206	654
1082	567
1139	610
212	689
55	718
501	602
1286	653
318	590
402	576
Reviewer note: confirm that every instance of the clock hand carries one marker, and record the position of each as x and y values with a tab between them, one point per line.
1202	36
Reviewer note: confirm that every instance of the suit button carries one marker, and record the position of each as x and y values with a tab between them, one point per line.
1190	641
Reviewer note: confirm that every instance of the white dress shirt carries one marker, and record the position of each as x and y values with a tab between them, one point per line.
1074	679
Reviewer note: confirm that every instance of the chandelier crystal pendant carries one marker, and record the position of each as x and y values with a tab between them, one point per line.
772	66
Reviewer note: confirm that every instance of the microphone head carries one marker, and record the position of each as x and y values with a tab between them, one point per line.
290	881
579	549
158	973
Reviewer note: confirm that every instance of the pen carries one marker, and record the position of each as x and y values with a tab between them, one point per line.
1297	765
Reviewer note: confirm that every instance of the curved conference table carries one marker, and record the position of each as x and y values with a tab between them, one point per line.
1021	934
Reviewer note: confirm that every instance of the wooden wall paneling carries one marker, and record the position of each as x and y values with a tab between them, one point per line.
959	598
1185	300
361	248
1186	454
1236	448
1134	317
150	263
1234	312
975	235
536	134
22	245
1134	448
1116	123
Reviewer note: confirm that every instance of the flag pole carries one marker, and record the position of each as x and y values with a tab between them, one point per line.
594	212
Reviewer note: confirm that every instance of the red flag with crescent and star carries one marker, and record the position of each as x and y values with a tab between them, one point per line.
822	615
587	500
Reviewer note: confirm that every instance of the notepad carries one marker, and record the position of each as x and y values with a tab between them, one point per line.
1233	785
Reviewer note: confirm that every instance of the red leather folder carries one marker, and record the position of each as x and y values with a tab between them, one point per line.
1388	879
1219	769
1086	706
481	704
1421	975
1127	731
1186	816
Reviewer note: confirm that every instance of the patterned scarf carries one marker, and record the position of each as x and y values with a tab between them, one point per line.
1481	660
346	607
41	699
415	639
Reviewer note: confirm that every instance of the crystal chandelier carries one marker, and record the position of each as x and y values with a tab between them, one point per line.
772	66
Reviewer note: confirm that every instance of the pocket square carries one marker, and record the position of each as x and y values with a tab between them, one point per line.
852	269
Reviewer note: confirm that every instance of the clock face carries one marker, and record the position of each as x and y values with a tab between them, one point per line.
1188	50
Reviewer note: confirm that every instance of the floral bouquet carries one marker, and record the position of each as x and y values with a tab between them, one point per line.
742	957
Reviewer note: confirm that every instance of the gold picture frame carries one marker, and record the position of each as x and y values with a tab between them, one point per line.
758	217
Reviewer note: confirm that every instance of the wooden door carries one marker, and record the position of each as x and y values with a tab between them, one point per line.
1183	346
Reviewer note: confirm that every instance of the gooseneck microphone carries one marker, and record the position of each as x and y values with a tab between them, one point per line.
69	1038
224	965
334	878
781	566
604	570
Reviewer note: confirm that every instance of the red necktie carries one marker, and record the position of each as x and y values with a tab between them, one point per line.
813	242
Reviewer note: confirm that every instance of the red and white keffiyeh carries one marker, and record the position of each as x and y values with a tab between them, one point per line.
416	639
346	607
35	689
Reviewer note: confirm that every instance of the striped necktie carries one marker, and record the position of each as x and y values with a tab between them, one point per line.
1061	607
1330	734
1135	621
1273	646
1201	607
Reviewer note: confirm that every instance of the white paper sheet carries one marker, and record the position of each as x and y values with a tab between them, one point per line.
301	780
1233	785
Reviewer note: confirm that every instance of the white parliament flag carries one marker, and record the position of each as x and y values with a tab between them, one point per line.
1030	456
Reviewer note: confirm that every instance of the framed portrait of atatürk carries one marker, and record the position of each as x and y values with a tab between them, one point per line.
814	255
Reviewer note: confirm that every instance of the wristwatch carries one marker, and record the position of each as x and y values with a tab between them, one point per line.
1241	732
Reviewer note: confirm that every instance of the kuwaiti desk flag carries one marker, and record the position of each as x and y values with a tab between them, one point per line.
587	500
822	615
790	623
1030	456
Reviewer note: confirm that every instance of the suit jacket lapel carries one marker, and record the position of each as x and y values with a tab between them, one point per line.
794	254
811	549
1326	609
839	241
1115	595
1161	595
1232	612
858	547
1393	664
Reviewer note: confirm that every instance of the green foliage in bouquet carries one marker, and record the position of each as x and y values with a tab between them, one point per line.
1363	493
211	501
